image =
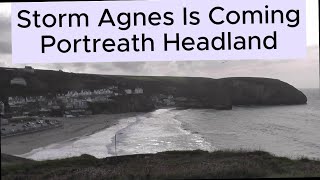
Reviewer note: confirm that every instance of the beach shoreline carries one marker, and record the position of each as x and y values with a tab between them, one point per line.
73	128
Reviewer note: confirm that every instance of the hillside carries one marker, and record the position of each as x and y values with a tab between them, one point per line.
195	92
167	165
9	160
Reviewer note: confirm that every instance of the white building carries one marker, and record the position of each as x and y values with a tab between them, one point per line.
1	108
113	87
41	99
128	91
85	93
4	122
30	99
72	94
138	91
16	100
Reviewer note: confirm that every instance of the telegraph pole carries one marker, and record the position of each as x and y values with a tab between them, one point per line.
115	144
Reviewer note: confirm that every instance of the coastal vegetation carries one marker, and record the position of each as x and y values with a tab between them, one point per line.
165	165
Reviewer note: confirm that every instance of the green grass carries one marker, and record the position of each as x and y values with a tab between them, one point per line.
167	165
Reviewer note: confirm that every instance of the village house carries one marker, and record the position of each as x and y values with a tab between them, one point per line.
88	99
1	108
100	99
41	99
30	99
44	110
69	106
113	88
16	100
72	100
4	121
138	91
169	101
128	91
72	94
85	93
102	92
80	105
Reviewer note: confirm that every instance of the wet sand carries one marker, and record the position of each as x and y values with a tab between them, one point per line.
72	128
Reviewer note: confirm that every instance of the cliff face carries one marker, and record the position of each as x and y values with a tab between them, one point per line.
188	92
263	91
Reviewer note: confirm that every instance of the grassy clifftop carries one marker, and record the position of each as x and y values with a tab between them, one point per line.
44	81
9	160
166	165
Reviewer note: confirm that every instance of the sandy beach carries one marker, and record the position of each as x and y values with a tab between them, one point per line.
73	128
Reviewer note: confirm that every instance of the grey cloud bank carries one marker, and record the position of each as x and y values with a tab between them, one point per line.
5	35
300	73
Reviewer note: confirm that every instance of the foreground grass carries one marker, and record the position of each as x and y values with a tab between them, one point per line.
166	165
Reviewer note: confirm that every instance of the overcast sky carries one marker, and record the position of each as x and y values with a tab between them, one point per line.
300	73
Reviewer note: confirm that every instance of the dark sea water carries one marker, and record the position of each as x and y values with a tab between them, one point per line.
291	131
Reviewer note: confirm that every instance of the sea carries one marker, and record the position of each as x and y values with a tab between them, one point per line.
291	131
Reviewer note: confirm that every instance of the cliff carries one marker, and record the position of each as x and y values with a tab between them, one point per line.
189	92
263	91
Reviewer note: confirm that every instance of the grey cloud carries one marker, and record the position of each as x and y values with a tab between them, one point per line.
76	67
5	60
95	68
5	47
5	35
5	23
132	67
